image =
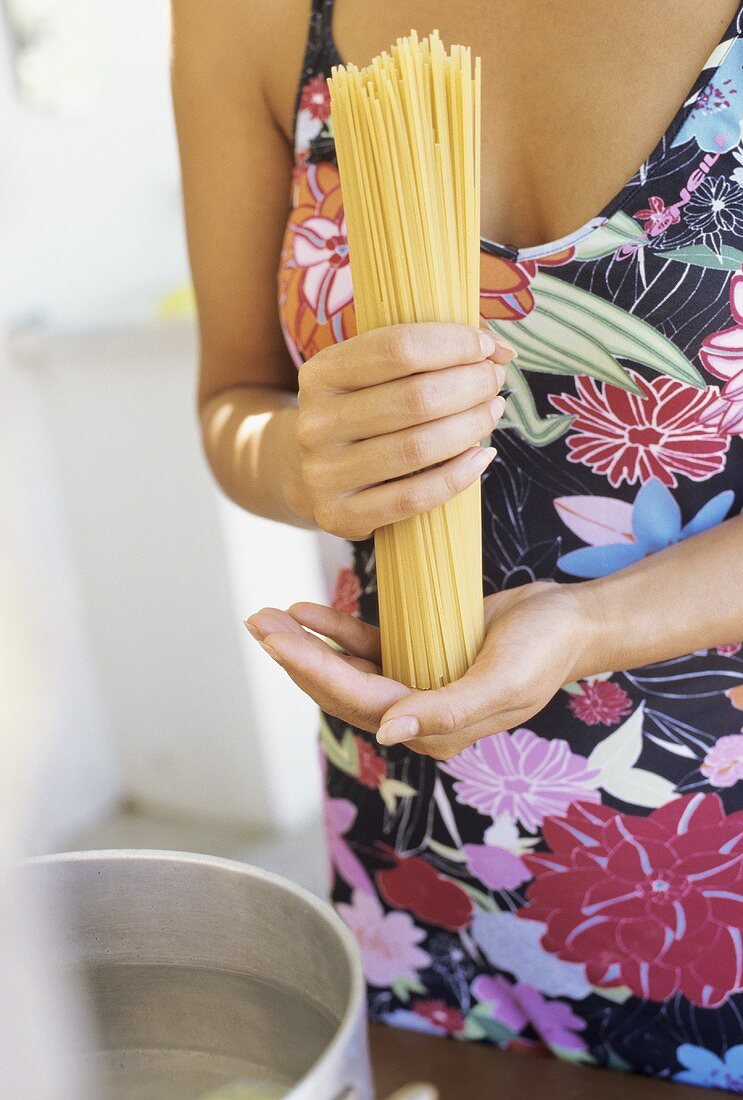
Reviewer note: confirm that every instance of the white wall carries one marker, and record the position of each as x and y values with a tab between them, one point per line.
90	216
69	748
200	721
146	572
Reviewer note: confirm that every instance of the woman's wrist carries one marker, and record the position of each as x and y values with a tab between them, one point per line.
664	606
294	495
595	646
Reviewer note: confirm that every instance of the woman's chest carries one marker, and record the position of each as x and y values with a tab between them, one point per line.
575	93
629	331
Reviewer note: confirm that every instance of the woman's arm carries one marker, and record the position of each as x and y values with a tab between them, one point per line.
687	597
538	638
376	429
236	169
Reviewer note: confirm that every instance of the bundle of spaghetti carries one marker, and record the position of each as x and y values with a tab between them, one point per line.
407	138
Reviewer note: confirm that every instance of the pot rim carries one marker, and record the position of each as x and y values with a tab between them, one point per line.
356	996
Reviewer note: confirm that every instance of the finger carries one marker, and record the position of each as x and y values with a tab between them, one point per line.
384	354
504	352
355	696
370	508
444	748
418	399
447	711
414	449
356	637
270	619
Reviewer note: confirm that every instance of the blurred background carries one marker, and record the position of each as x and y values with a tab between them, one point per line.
137	711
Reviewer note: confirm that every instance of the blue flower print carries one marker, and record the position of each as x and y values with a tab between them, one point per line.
656	524
714	120
702	1067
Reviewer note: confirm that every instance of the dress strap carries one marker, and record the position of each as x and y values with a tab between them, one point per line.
320	52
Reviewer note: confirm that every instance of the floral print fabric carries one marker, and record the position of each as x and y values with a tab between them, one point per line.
576	886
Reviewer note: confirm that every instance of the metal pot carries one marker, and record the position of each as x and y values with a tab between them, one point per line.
199	971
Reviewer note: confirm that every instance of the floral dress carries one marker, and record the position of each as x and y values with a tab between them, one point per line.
575	885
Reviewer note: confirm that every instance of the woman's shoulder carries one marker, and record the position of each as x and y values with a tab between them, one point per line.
240	47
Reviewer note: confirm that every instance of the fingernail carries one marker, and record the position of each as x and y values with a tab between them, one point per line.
253	630
482	457
487	344
507	347
500	375
496	406
397	730
271	652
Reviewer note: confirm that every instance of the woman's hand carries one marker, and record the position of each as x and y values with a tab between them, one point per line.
537	638
389	422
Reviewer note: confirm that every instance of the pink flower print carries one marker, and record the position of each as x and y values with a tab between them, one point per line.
723	764
658	217
321	250
522	776
600	703
632	437
340	815
515	1006
497	868
729	649
388	941
498	994
722	355
315	98
347	592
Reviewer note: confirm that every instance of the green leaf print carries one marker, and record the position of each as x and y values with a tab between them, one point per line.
619	230
522	415
620	333
342	754
392	789
479	1024
729	259
573	332
580	1057
403	987
551	340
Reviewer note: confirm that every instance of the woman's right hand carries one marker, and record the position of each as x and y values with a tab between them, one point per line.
389	422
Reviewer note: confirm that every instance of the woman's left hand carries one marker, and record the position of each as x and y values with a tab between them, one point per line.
537	638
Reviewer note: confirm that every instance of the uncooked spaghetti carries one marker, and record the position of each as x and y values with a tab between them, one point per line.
407	136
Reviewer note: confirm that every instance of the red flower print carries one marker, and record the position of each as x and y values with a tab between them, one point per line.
315	98
653	903
315	292
729	649
600	703
372	768
658	217
505	293
631	437
414	885
346	592
441	1015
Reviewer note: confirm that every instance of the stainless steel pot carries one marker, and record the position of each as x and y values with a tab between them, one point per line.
200	971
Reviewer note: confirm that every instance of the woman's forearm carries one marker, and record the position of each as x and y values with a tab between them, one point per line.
249	440
684	598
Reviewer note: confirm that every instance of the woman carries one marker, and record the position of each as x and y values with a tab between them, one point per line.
548	852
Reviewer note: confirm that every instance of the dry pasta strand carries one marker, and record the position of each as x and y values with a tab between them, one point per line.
407	136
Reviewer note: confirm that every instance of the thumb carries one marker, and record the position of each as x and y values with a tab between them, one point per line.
442	711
